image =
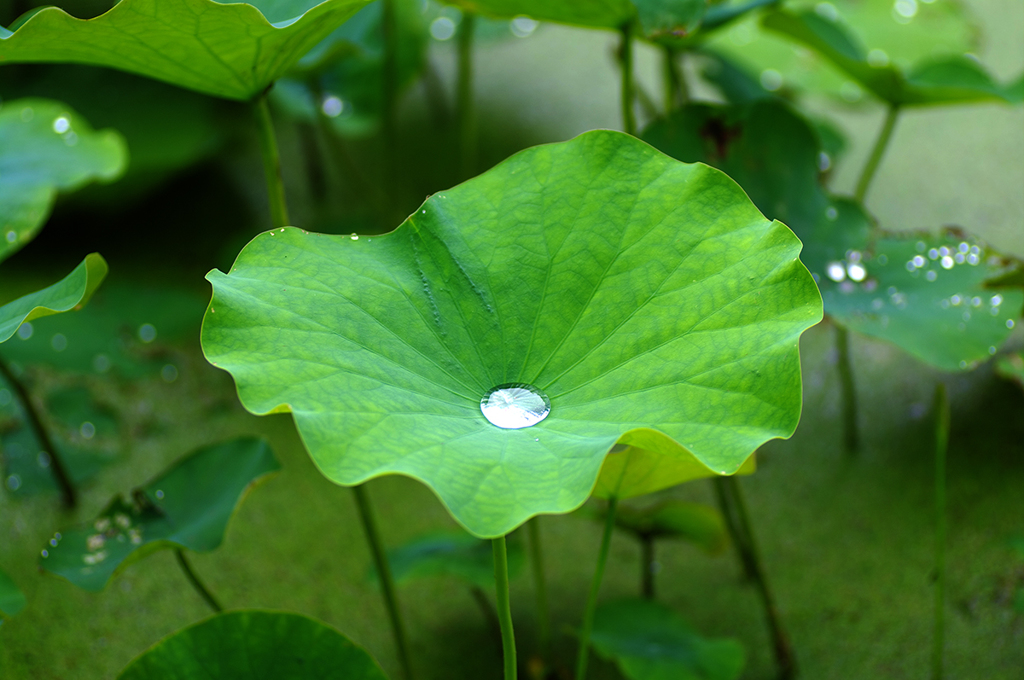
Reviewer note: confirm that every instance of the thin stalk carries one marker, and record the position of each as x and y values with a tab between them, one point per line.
389	83
626	62
508	637
271	163
674	80
647	564
868	173
464	96
851	433
941	442
60	474
731	524
780	640
595	586
196	583
539	586
380	560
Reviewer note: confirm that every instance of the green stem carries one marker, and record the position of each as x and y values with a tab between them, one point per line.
508	637
35	421
851	433
941	442
877	152
669	80
271	164
595	586
647	564
780	641
731	524
380	560
464	96
196	583
626	62
540	586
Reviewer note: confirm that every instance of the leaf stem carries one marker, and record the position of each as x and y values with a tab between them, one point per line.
464	94
271	163
674	80
60	474
539	586
380	560
851	433
508	638
780	640
626	62
941	442
595	586
875	159
196	583
647	565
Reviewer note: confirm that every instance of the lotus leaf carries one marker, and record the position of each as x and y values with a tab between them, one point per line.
71	292
699	524
648	641
12	600
188	506
639	294
45	147
230	50
252	644
451	554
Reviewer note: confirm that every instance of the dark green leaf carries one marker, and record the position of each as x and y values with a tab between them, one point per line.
669	20
451	553
71	292
12	600
592	13
231	50
634	291
45	148
1011	367
699	524
648	641
255	645
188	506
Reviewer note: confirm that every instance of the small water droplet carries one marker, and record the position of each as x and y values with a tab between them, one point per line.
87	430
45	553
354	237
59	342
169	373
11	237
1009	323
14	482
836	271
61	125
963	364
931	275
159	494
515	405
946	262
147	332
992	349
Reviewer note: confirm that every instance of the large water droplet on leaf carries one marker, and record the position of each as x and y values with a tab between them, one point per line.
515	405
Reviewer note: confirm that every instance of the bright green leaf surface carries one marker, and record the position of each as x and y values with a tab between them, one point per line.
45	147
188	506
699	524
648	641
12	600
925	294
227	50
451	553
947	80
638	293
71	292
255	645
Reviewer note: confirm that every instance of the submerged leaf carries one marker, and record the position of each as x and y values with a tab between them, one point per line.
231	50
12	600
628	291
45	148
252	644
71	292
649	641
188	506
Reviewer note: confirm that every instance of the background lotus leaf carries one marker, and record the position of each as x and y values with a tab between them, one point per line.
649	641
636	292
188	506
451	553
12	600
45	147
231	50
69	293
593	13
254	644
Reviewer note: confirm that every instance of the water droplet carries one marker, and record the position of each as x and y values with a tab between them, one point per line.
87	430
918	261
71	139
159	494
53	542
904	10
933	253
955	299
169	373
959	258
920	245
442	28
836	271
878	58
523	27
826	10
59	342
14	482
515	405
332	106
976	301
354	237
856	272
11	237
824	162
973	259
147	332
946	262
61	125
996	300
45	553
963	364
25	331
1009	323
931	275
992	349
831	213
95	542
101	363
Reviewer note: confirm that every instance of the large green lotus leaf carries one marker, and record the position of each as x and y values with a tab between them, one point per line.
12	600
451	553
45	147
188	506
649	641
252	644
945	80
231	50
71	292
927	295
634	291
